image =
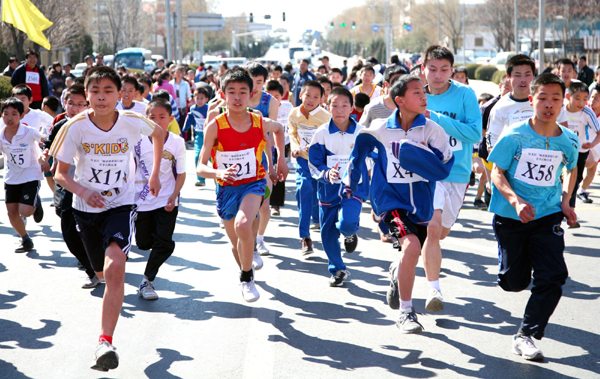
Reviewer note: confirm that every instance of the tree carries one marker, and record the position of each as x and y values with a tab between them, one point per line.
498	16
450	12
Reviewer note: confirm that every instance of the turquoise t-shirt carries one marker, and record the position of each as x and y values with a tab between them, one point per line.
533	165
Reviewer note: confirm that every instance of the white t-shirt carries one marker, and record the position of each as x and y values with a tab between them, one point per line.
283	117
103	159
375	92
584	124
171	165
36	119
137	107
506	112
21	155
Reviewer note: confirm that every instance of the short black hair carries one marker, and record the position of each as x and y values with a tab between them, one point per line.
146	80
322	67
368	68
31	52
75	89
12	59
325	80
361	100
305	61
284	77
401	85
583	57
13	102
314	84
459	69
416	70
288	67
335	69
393	70
485	97
22	89
519	60
51	102
438	52
564	62
394	59
161	94
160	103
79	80
341	91
577	86
237	75
129	79
102	72
257	69
274	85
139	87
278	68
544	79
201	90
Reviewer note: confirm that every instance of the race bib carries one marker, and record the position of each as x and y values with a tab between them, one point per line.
19	156
104	172
32	77
455	145
538	167
306	136
244	161
342	161
199	128
396	174
520	116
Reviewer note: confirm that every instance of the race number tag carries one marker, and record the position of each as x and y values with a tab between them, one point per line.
199	127
306	136
455	145
244	161
32	78
520	116
104	172
19	156
538	167
396	174
342	161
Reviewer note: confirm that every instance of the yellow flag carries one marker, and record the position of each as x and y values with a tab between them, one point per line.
23	15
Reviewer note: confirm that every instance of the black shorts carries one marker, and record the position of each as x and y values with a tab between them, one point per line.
25	193
98	230
401	226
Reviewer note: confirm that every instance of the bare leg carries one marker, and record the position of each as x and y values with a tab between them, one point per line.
15	218
409	257
230	229
432	251
243	229
114	273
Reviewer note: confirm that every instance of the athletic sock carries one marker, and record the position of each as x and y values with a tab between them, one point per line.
434	284
246	276
260	238
26	237
105	338
405	304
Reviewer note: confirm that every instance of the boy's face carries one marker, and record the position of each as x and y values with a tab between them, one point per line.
146	89
259	82
285	84
237	96
594	101
327	89
566	72
128	94
520	79
75	105
367	77
276	95
415	98
340	108
276	75
160	116
547	102
11	117
336	77
200	99
460	77
25	100
311	98
437	72
103	95
577	101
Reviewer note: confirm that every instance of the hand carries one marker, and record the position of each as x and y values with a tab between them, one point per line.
272	175
282	169
296	153
228	176
45	167
348	192
569	213
154	185
525	211
587	145
333	175
170	203
93	199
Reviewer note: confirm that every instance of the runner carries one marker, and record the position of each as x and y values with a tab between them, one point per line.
127	103
157	215
101	140
197	117
236	140
567	71
594	156
383	106
303	123
529	206
367	74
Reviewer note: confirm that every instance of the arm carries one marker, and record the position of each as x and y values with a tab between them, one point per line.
595	125
495	128
365	119
279	134
317	159
568	187
525	211
189	121
92	198
470	130
293	134
204	169
273	108
212	114
158	141
178	185
364	144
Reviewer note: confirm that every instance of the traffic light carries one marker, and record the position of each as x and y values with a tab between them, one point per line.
353	25
343	24
284	16
251	17
332	26
267	17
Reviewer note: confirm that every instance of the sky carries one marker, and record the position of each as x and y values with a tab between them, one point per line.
300	15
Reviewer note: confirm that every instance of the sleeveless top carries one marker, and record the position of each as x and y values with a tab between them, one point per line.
263	105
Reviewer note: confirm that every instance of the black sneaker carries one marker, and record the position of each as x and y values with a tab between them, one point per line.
472	179
38	214
199	184
585	197
25	246
307	246
337	280
393	295
575	226
487	197
350	243
480	204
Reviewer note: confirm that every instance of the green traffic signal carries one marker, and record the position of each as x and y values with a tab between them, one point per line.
343	24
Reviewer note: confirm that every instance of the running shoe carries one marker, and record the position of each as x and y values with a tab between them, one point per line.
275	211
315	226
106	357
524	346
147	291
393	294
38	214
435	301
249	291
91	282
200	184
577	225
478	203
350	243
408	322
257	262
337	280
387	238
472	179
585	197
307	246
24	246
262	248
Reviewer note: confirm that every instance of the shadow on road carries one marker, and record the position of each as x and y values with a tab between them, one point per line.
160	369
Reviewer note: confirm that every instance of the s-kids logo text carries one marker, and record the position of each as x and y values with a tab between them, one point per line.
121	146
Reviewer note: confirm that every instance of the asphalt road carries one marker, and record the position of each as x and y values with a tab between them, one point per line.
300	328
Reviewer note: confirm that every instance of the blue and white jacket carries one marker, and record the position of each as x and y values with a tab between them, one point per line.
196	116
405	171
328	147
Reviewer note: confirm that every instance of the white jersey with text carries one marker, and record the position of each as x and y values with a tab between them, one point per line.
21	155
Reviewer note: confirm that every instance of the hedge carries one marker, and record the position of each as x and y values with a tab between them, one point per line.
193	66
498	75
485	72
5	87
138	70
471	68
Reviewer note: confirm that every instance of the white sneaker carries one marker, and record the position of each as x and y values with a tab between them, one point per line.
315	226
147	290
257	262
524	346
435	301
262	248
91	283
249	291
106	357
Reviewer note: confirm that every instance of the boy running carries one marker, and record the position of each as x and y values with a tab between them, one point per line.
101	142
197	117
529	206
127	103
367	74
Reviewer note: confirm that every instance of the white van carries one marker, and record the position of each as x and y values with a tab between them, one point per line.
500	59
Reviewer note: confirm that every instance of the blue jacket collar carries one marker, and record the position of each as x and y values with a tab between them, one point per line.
334	129
392	121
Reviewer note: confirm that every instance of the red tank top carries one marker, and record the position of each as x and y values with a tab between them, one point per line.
242	150
287	96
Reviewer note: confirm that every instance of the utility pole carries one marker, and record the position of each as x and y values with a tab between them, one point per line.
516	18
439	37
542	23
179	32
464	33
168	26
174	36
388	33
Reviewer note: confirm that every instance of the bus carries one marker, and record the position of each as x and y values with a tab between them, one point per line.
132	57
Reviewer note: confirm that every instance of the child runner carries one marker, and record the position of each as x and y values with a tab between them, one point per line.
197	117
403	183
235	140
327	86
361	100
101	141
127	103
459	74
529	206
20	146
328	157
303	123
157	215
367	74
594	156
